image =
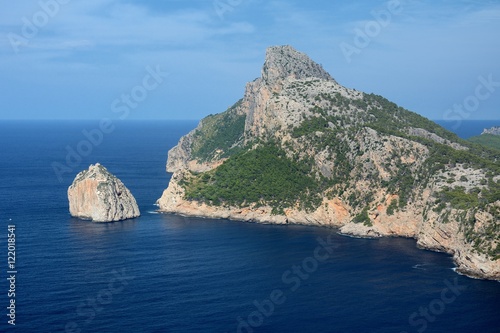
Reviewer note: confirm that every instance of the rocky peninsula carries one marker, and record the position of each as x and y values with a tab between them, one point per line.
301	148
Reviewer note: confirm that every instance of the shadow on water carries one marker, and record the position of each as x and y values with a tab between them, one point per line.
87	228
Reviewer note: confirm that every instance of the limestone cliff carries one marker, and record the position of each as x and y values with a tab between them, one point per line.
98	195
493	131
301	148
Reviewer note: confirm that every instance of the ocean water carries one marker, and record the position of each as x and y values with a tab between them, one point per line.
167	273
468	128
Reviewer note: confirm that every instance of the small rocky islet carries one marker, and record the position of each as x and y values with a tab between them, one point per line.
98	195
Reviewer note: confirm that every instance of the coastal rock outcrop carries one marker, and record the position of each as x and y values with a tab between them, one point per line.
301	148
493	131
98	195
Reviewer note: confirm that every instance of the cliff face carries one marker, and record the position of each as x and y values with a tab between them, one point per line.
493	131
300	148
97	195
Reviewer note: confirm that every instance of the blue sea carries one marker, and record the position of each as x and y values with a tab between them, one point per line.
468	128
167	273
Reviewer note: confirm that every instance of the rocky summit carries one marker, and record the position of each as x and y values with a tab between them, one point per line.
301	148
98	195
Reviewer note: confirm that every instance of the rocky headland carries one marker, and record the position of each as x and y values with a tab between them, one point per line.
301	148
98	195
489	138
493	131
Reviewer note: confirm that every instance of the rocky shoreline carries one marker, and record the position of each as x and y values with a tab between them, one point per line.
414	180
334	214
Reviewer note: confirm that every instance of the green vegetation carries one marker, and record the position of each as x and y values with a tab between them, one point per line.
484	240
442	156
219	135
491	194
401	183
487	140
386	117
340	179
335	100
391	118
459	198
263	176
476	198
392	207
309	126
363	218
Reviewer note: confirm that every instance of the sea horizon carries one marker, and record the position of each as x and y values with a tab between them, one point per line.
464	129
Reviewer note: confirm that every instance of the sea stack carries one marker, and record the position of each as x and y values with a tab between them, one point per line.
98	195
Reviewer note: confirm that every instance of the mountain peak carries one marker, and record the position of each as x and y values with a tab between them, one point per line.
301	148
284	61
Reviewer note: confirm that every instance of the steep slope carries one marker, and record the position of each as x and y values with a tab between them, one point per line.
489	138
301	148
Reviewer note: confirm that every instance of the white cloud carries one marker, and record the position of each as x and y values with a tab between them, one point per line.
111	23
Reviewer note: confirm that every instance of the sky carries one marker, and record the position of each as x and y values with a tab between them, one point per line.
185	59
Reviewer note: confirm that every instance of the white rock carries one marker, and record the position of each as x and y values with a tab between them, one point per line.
98	195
